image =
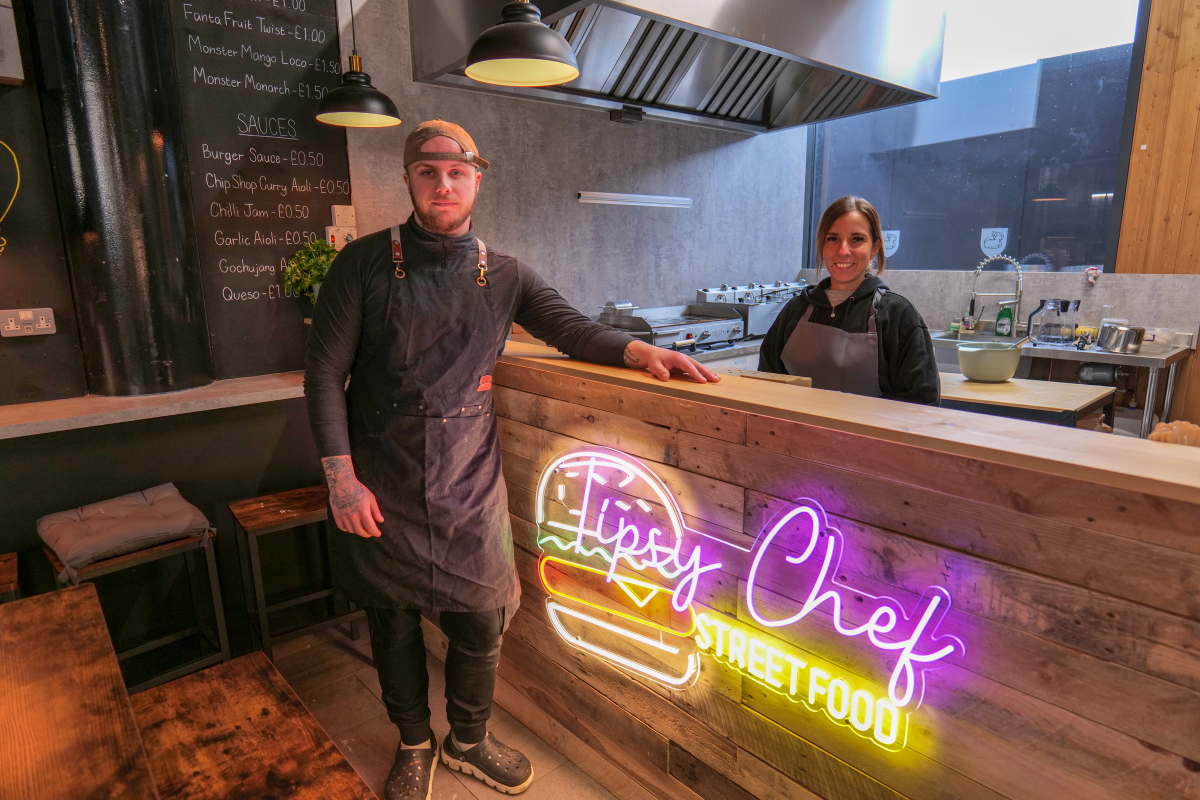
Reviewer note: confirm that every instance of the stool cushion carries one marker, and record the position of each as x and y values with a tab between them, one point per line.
122	525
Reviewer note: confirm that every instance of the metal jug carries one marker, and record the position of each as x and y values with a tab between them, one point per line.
1053	322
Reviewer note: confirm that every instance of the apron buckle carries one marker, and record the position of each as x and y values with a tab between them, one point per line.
482	280
397	251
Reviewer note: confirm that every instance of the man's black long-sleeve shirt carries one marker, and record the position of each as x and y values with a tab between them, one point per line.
350	318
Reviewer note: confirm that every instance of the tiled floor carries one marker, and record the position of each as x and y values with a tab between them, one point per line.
335	678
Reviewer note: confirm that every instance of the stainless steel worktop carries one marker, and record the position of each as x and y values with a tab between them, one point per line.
1069	352
1154	362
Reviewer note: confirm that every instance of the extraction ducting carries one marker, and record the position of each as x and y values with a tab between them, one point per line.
748	65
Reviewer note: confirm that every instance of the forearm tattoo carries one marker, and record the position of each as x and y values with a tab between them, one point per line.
631	360
345	492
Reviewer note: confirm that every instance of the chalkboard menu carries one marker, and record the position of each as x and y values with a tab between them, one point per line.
264	172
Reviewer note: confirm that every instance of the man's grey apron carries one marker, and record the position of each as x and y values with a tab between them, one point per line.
423	439
834	359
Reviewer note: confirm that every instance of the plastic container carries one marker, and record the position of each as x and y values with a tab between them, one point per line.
1158	340
988	362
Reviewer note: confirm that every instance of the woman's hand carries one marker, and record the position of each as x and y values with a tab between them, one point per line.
660	363
355	509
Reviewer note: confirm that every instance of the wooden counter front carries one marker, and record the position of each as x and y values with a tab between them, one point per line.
1073	561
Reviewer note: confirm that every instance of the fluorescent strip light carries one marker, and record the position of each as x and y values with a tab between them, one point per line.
614	199
1102	196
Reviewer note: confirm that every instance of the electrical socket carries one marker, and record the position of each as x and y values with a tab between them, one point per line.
27	322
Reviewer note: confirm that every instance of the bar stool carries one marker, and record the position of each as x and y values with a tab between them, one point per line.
8	577
273	513
130	530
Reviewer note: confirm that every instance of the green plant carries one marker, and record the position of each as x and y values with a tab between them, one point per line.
308	267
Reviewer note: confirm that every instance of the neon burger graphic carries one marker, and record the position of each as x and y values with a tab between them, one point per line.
629	581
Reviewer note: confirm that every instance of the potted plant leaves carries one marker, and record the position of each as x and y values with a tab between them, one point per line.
306	269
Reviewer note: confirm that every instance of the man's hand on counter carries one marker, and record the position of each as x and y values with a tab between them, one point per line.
660	363
355	509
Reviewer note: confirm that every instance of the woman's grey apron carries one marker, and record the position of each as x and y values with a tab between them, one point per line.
834	359
423	439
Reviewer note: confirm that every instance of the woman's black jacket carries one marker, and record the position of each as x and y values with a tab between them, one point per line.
907	367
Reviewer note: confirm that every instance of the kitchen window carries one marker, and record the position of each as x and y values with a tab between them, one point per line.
1023	154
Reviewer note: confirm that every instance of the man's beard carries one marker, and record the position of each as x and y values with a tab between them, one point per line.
441	224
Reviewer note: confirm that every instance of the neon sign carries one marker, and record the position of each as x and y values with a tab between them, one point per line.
841	697
624	571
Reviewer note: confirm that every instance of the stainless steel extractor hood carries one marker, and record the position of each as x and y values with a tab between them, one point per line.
750	65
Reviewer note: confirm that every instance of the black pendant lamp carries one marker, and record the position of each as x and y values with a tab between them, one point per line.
356	103
521	51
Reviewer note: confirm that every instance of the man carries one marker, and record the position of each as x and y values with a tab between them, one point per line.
418	316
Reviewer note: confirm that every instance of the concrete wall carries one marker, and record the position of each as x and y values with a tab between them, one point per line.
1167	301
746	223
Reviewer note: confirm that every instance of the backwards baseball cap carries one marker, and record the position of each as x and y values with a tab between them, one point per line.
436	127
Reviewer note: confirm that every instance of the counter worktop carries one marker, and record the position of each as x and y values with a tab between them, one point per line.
1169	470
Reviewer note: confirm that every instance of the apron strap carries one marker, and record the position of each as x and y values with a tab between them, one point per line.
397	251
807	313
482	279
874	305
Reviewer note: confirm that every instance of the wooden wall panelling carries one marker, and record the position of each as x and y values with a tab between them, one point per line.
931	783
1139	214
1003	737
801	760
1072	501
1092	687
1161	253
1160	222
723	506
1155	642
635	437
709	420
1112	674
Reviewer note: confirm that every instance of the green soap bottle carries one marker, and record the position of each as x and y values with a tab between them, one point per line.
1004	321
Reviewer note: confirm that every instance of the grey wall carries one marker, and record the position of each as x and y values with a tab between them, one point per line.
748	191
1167	301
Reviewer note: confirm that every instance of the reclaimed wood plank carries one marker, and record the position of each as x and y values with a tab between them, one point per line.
628	434
1118	462
1139	216
697	417
66	726
723	500
798	757
1145	639
1016	744
1067	501
1096	687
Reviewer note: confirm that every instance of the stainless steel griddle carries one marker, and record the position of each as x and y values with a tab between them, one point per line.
700	324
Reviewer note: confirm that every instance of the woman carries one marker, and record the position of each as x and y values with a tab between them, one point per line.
849	333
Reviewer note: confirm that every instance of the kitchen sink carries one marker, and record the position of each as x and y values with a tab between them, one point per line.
955	336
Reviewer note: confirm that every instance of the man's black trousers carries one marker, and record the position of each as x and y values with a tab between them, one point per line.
398	647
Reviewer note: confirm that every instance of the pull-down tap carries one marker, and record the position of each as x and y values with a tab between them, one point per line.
970	320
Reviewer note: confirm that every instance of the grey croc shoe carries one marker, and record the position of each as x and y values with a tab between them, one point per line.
411	777
499	766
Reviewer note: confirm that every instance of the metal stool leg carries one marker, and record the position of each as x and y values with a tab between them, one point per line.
355	624
214	585
264	625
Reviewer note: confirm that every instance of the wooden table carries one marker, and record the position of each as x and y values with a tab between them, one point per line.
66	726
1037	401
238	730
8	577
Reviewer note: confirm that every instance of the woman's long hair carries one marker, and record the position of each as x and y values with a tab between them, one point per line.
844	205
